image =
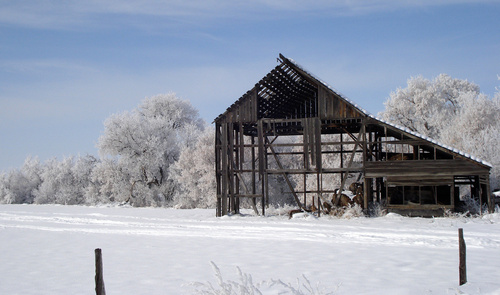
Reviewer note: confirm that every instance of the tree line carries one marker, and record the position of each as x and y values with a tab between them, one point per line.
138	163
162	152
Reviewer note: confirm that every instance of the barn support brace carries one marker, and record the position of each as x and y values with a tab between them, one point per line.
246	161
248	155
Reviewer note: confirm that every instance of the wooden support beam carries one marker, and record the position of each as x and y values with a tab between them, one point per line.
478	193
254	201
317	139
366	184
366	192
218	173
247	193
349	164
225	168
262	163
285	175
491	200
305	142
236	166
232	181
260	139
361	143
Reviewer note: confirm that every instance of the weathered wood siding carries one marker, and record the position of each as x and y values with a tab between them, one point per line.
423	168
331	106
243	110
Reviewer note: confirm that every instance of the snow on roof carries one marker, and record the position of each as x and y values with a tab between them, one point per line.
404	129
446	147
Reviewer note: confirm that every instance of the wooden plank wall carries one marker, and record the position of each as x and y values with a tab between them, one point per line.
423	168
331	106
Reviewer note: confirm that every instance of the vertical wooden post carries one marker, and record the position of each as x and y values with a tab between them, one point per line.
366	193
254	190
99	281
225	170
232	191
341	155
462	268
218	173
452	193
262	166
479	188
266	163
366	184
489	196
237	169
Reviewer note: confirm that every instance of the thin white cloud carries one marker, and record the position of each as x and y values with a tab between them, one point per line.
67	14
39	14
37	66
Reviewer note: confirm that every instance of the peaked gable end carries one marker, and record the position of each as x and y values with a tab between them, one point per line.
289	92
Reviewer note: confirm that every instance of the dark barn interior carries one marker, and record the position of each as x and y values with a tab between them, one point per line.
334	140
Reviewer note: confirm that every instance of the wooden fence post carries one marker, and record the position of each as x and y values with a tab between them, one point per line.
462	268
99	281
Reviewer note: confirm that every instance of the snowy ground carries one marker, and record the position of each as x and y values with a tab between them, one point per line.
50	250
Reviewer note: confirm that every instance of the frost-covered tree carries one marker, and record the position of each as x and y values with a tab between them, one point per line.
58	184
82	170
426	106
453	112
147	141
109	183
17	186
3	188
62	182
195	173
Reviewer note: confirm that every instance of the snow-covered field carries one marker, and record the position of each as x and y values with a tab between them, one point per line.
50	250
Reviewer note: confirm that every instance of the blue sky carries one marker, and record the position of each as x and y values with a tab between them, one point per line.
65	66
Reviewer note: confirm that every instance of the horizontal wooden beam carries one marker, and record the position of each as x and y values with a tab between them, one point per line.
419	168
312	171
248	195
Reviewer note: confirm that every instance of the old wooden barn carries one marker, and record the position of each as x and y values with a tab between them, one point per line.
293	126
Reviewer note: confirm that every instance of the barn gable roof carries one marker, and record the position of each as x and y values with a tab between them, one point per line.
290	91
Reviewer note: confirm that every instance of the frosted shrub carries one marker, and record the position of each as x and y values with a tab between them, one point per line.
457	215
353	211
376	210
246	286
472	206
308	288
